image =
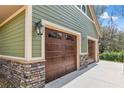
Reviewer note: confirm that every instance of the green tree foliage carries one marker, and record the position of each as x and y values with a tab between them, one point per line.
113	56
111	39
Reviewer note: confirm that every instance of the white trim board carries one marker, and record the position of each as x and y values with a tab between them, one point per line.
45	22
12	57
85	53
92	38
28	32
21	59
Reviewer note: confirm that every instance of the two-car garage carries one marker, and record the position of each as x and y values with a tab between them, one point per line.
62	52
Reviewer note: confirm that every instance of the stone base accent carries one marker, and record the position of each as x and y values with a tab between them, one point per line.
30	75
85	61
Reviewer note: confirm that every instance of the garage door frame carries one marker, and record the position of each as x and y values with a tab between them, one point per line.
96	46
57	27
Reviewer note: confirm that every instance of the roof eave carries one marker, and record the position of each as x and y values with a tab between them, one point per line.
95	19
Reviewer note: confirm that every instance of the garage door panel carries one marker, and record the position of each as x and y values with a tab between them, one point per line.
54	47
54	64
55	54
91	49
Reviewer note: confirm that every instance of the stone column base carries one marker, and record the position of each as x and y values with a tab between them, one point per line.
85	61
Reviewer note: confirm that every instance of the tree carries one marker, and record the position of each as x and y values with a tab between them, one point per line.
112	39
121	40
108	38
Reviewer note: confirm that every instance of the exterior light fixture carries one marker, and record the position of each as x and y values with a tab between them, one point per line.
39	28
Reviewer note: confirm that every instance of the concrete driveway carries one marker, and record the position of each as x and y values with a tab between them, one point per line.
97	75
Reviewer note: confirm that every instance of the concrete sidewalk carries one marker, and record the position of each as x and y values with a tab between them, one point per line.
100	75
104	75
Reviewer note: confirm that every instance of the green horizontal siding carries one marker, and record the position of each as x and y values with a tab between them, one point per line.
36	44
12	37
65	15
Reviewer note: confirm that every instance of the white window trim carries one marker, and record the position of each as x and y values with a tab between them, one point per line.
84	14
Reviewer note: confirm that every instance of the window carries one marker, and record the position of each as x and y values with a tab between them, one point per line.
69	37
82	7
57	35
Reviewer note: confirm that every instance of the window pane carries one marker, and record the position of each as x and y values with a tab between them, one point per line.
83	8
56	35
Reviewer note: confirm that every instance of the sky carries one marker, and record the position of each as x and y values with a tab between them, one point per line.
114	12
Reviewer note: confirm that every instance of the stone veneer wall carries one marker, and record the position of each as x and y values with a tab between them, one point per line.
83	61
23	75
31	75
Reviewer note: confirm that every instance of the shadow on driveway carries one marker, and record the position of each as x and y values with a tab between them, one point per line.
69	77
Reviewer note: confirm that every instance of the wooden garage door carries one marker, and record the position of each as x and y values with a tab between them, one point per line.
60	53
91	49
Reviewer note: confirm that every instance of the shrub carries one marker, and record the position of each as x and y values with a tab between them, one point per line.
113	56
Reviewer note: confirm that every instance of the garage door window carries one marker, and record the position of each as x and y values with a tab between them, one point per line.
69	37
56	35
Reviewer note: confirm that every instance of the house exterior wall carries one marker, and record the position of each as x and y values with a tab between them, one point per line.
12	43
14	66
12	37
64	15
